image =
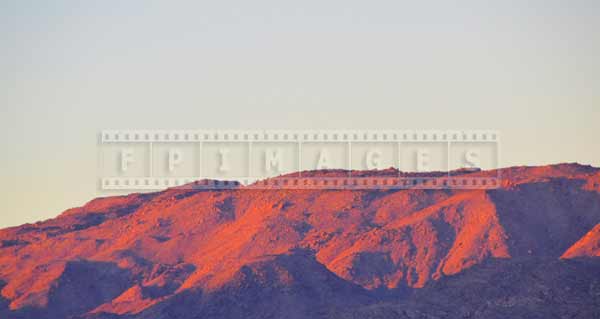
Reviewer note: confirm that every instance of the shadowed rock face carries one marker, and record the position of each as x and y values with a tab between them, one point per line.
81	287
546	218
3	302
501	288
187	253
521	288
88	283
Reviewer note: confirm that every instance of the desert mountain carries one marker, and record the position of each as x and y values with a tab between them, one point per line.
301	253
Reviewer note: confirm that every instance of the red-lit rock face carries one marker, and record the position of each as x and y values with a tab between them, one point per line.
140	250
588	245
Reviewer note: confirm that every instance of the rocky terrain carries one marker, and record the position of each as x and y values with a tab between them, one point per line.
528	249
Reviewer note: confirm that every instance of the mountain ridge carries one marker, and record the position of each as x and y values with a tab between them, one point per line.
164	245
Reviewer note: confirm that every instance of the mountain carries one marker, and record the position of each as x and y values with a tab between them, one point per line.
314	253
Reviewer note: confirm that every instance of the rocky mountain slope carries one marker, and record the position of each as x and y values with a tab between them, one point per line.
251	253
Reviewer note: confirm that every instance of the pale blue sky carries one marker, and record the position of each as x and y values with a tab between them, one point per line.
70	68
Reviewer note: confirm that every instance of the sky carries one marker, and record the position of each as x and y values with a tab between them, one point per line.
68	69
